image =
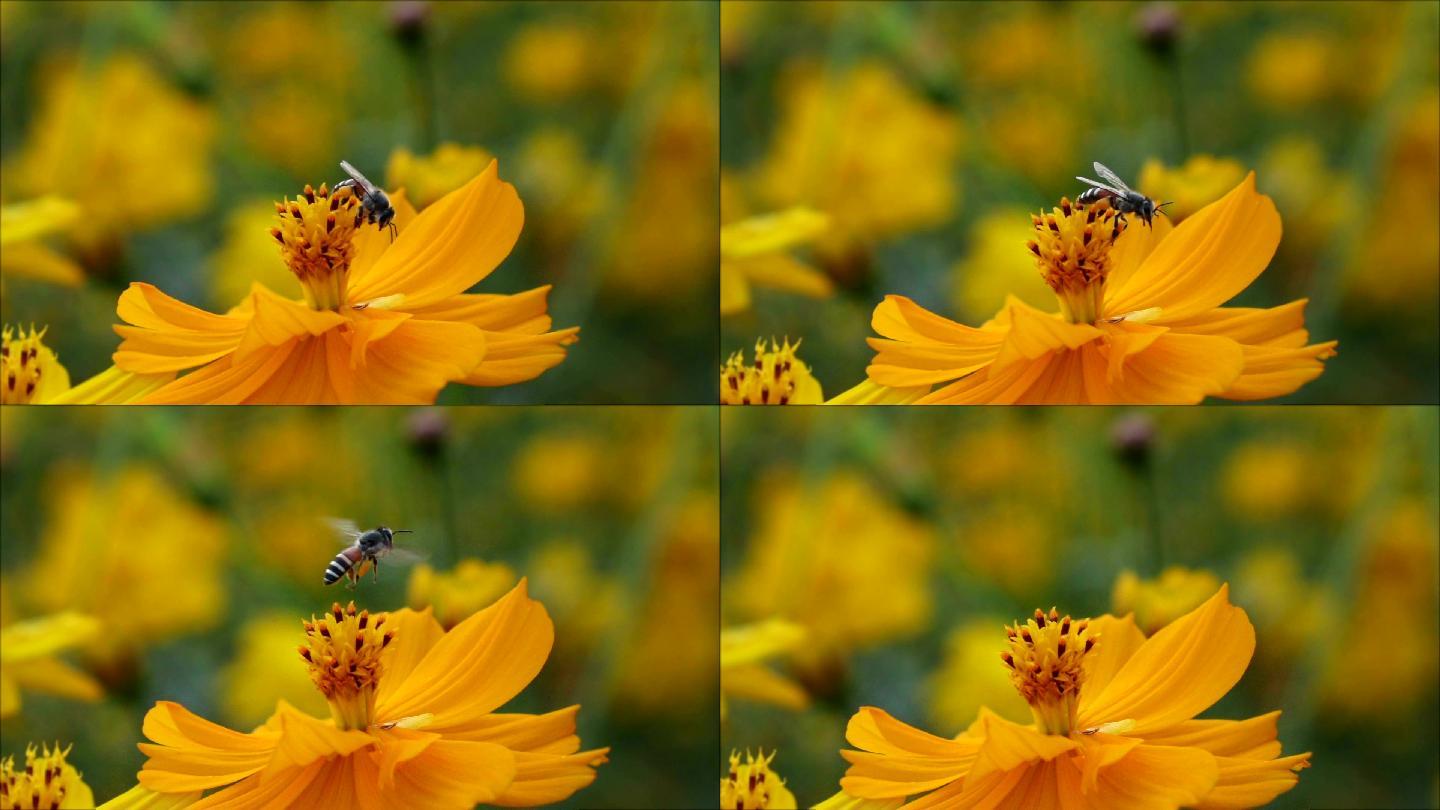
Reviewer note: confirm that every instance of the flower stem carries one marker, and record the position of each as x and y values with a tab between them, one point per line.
422	90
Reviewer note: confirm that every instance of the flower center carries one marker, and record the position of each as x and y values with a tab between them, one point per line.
747	787
1045	659
317	242
22	362
343	649
771	380
44	782
1072	249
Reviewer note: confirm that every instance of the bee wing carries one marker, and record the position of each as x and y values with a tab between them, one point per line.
404	556
1098	184
1111	178
345	530
357	177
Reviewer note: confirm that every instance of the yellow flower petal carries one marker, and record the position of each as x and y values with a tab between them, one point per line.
1122	639
755	682
1254	738
448	773
1272	372
548	778
1179	369
449	247
1034	333
1009	745
1207	260
898	759
371	243
734	290
924	348
870	393
143	798
1133	247
113	386
1177	673
36	638
416	631
1245	783
55	677
39	262
1148	776
190	753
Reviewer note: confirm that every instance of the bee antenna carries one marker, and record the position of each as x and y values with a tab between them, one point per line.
402	531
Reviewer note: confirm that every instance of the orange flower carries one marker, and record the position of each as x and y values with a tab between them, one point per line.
380	322
413	722
1140	318
1114	726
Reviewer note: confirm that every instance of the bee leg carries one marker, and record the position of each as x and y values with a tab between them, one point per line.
376	578
394	231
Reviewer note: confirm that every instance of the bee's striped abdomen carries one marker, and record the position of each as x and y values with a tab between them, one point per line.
338	566
1094	195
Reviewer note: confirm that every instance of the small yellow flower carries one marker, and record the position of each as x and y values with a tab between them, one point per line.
247	256
155	168
1201	181
29	370
1141	318
967	678
753	253
427	178
1160	601
1270	479
993	269
752	785
412	721
23	226
555	471
744	649
47	781
1293	69
1113	725
550	62
262	672
379	323
27	659
456	595
777	377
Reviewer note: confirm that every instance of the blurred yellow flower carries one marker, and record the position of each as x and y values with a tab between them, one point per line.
379	323
865	149
28	659
670	661
565	189
993	269
752	785
548	62
24	226
1164	599
298	452
1295	68
412	724
1020	130
821	552
1382	677
777	377
968	679
1271	479
1141	318
1113	725
1202	180
464	590
743	651
29	370
427	178
263	671
1313	199
46	781
561	471
247	256
753	253
1010	543
587	601
1290	613
130	550
165	143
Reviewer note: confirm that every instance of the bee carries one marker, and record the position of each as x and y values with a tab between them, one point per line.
363	548
1123	199
375	204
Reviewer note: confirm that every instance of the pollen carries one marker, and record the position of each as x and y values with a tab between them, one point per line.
342	649
1046	661
24	361
316	233
46	781
771	380
1072	248
750	784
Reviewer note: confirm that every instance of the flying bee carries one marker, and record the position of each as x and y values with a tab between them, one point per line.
375	204
363	548
1123	199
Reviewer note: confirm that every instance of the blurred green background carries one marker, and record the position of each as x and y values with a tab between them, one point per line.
202	549
927	131
176	125
903	541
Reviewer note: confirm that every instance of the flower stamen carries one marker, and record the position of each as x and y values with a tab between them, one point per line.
343	650
45	781
770	381
317	242
1072	249
1046	658
23	360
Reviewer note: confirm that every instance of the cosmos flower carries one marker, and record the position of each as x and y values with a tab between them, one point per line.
46	781
412	724
29	370
1141	318
379	322
1159	601
455	595
27	659
1201	180
753	254
743	651
427	178
1113	725
752	785
777	377
23	226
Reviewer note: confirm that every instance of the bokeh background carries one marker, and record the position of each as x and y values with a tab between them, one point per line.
175	126
927	131
195	537
902	541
